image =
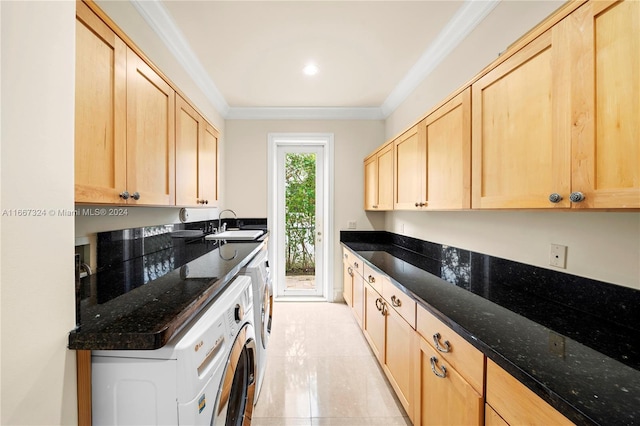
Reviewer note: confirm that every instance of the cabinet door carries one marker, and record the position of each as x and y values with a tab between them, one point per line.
491	418
516	403
521	128
208	166
100	110
373	325
189	126
443	396
347	283
150	134
409	166
371	183
399	345
358	297
606	110
448	151
385	177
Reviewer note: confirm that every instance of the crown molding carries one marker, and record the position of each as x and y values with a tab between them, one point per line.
465	20
468	16
304	113
163	25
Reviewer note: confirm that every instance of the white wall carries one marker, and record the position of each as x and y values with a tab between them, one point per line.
246	177
37	278
601	245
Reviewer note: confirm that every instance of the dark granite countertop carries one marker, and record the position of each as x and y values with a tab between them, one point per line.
573	341
142	302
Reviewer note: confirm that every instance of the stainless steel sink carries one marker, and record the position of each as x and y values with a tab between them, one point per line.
241	235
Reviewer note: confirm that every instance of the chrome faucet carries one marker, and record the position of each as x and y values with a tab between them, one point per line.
222	227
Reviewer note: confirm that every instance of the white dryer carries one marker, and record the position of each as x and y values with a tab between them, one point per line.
204	376
258	270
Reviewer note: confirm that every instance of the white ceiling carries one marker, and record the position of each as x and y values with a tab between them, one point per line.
247	56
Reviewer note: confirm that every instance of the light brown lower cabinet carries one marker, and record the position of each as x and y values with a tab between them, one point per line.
491	418
398	365
358	297
515	403
442	396
347	283
373	325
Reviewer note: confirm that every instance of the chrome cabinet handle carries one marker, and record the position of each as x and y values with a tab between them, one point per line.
124	195
395	301
384	309
371	279
135	195
577	197
446	345
350	271
434	361
356	265
375	207
421	204
417	204
555	198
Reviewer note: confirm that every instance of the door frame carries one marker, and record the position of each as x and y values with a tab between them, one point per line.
301	139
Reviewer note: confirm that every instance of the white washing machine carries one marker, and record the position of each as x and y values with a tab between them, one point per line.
258	270
204	376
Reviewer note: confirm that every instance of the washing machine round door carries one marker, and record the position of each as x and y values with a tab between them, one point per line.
234	403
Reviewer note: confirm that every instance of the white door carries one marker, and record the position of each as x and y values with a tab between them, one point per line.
299	217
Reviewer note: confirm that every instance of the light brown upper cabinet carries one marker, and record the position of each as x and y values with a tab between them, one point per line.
521	129
100	111
409	166
196	157
556	124
124	149
378	179
433	159
606	110
447	178
150	135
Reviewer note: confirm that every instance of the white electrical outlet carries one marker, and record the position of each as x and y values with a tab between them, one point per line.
351	224
558	256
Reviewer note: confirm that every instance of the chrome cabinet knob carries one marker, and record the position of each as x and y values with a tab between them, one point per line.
375	207
371	279
417	204
395	301
555	198
124	195
135	195
576	197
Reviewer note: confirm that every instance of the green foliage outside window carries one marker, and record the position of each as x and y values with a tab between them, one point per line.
300	213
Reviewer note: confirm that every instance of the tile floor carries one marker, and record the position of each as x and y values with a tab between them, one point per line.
320	371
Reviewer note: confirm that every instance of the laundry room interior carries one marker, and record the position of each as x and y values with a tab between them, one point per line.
320	212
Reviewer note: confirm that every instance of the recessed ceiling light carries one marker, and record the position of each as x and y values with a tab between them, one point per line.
310	69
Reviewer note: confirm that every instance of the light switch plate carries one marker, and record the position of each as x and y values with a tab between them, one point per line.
558	256
351	224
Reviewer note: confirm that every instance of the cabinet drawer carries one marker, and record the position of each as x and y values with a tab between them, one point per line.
466	359
516	403
402	303
353	261
373	278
